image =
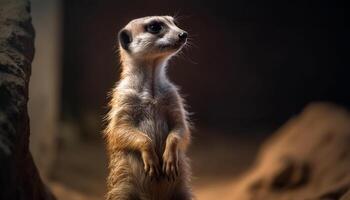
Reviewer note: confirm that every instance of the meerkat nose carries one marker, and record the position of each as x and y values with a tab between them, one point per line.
183	35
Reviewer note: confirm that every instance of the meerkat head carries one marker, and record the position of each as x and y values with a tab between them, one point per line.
151	38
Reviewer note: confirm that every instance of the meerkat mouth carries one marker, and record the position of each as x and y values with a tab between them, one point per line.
174	46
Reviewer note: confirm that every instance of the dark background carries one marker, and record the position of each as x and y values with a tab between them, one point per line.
253	64
250	67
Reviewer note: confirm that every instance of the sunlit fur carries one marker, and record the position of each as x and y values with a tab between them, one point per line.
147	126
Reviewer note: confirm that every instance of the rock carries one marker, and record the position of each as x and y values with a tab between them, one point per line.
43	105
19	178
307	159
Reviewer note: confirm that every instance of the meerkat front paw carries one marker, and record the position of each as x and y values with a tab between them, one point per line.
171	164
151	163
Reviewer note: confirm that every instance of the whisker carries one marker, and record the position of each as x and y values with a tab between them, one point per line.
193	35
176	14
192	44
184	56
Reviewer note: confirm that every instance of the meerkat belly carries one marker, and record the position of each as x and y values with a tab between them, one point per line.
153	122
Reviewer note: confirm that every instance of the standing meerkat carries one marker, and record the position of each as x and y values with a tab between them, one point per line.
148	130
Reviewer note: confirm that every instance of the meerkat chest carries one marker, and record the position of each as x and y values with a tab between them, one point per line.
151	117
148	108
149	104
155	95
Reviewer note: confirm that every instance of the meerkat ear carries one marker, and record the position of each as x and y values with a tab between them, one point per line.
125	38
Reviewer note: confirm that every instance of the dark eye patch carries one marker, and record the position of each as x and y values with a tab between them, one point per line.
154	27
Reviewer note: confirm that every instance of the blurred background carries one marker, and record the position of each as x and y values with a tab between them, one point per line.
252	65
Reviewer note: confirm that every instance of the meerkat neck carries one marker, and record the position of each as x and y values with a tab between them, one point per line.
143	75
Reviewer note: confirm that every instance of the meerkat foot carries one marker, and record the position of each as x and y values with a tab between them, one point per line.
170	164
151	164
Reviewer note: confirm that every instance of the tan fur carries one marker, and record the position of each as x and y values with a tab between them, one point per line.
148	132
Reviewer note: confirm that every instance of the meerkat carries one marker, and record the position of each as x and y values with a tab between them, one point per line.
148	130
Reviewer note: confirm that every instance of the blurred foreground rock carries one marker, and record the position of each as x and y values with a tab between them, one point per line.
19	178
43	105
307	159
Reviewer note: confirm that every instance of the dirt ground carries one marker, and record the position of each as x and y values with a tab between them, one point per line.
216	160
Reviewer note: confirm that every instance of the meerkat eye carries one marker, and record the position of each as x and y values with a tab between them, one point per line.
154	27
